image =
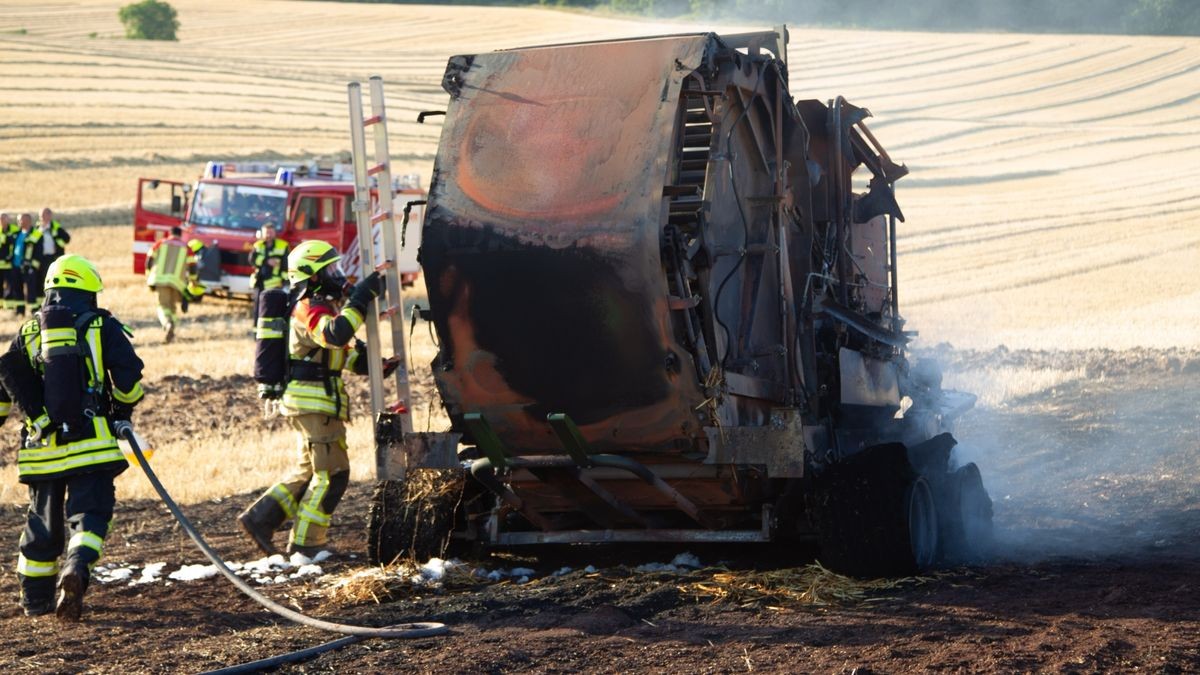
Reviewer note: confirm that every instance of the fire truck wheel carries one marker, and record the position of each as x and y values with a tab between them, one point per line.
414	517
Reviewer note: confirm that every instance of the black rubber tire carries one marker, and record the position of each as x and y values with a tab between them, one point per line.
863	506
967	520
404	525
922	524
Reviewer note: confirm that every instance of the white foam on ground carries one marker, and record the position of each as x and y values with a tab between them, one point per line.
275	569
150	573
684	562
194	573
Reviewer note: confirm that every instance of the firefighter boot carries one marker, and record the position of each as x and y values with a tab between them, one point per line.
72	584
37	595
260	521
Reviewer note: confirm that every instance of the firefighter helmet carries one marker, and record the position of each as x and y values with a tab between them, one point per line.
309	258
73	271
194	245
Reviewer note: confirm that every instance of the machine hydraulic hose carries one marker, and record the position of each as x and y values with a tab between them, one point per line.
409	630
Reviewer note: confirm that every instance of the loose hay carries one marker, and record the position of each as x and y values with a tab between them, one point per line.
812	585
381	584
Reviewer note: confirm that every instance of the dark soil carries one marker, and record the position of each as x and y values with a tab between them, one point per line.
1098	571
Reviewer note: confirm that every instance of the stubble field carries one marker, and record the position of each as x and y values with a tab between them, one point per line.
1049	259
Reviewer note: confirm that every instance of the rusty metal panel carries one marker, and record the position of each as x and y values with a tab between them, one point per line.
424	450
869	250
541	240
780	446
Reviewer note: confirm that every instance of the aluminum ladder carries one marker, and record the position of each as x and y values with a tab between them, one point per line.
381	222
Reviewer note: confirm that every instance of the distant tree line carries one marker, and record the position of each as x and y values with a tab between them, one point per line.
1153	17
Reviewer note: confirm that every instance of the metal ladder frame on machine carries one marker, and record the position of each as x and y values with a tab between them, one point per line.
397	418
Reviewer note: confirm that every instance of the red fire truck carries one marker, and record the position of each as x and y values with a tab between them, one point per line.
228	205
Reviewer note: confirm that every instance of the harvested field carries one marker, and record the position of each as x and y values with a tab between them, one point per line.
1048	259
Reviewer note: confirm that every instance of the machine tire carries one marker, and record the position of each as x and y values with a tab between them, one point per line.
414	517
877	516
967	520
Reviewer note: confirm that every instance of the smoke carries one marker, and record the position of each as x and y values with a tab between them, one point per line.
1084	453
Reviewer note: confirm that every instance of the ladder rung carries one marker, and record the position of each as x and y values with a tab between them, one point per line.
378	168
374	119
380	217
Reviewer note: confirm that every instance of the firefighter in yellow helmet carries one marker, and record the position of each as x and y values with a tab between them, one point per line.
195	290
269	258
321	344
74	373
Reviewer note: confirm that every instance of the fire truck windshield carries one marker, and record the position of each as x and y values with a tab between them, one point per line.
241	207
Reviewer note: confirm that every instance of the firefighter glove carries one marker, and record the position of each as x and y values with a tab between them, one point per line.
366	290
121	412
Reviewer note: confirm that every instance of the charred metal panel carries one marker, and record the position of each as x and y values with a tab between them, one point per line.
541	243
868	382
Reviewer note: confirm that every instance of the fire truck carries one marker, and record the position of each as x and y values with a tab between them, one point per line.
230	202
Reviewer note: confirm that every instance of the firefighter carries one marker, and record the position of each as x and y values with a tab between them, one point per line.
8	231
25	274
75	369
166	272
269	259
54	240
195	289
321	344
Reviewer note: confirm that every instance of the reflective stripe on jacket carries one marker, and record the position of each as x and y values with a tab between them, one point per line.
166	264
311	328
119	376
272	275
8	242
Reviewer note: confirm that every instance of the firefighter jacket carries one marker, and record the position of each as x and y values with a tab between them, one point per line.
114	382
27	249
8	242
59	235
167	264
267	276
320	346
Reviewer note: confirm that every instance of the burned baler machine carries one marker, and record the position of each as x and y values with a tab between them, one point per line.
663	313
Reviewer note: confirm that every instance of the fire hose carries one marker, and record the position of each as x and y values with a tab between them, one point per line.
406	630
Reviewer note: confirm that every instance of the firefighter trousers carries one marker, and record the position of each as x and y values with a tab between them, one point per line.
23	288
81	506
169	298
311	491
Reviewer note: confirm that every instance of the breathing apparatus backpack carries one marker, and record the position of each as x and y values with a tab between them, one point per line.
71	398
271	343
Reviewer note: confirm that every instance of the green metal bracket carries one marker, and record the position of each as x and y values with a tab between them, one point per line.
486	439
568	434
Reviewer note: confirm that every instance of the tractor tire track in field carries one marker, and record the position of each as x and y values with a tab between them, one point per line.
1023	142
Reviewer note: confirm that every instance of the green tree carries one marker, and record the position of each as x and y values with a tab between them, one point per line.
149	20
